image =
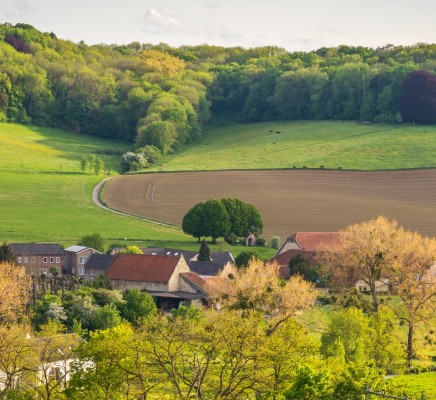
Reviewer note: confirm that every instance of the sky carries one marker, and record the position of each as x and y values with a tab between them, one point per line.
302	25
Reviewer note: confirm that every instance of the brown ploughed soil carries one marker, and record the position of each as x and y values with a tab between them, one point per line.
288	200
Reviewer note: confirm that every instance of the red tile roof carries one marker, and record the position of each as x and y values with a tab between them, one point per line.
142	267
194	278
313	240
285	257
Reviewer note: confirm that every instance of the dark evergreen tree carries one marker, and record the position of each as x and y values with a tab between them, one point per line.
298	265
204	252
6	253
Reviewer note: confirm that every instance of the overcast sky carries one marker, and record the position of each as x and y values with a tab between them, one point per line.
295	25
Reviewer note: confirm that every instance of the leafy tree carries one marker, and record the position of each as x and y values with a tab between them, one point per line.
418	98
105	317
259	288
244	257
137	306
311	384
222	218
193	221
244	217
161	134
94	241
413	278
15	289
365	252
216	221
204	252
105	296
100	282
298	265
131	250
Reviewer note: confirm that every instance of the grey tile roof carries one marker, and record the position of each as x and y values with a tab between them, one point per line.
42	249
99	261
222	257
205	268
161	251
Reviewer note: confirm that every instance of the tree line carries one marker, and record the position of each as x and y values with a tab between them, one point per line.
157	95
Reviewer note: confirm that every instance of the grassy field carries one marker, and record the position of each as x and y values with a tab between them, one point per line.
45	197
419	383
349	145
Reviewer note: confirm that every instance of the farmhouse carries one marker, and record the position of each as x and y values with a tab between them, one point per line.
381	286
75	259
309	241
38	258
166	278
96	265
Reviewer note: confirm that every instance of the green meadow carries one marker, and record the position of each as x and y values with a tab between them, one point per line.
332	144
45	197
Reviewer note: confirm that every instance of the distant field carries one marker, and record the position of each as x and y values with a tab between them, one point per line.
288	200
349	145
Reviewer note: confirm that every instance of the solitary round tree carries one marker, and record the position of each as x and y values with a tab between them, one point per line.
221	218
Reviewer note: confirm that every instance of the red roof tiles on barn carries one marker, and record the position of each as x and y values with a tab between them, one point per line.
142	267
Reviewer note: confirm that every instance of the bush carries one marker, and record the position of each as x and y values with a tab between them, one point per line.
231	239
275	242
260	242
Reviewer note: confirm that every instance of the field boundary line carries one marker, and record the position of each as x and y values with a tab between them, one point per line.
96	200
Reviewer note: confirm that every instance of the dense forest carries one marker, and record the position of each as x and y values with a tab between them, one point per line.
162	96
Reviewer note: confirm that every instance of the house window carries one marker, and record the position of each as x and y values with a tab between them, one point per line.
32	260
45	260
51	260
92	272
44	271
82	260
58	269
26	260
58	260
19	260
81	271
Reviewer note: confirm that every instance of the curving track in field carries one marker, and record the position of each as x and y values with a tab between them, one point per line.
288	200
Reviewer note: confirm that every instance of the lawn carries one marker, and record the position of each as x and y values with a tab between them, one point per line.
419	383
333	144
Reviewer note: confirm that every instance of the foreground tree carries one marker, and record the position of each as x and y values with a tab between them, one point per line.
15	290
259	288
413	278
365	252
380	249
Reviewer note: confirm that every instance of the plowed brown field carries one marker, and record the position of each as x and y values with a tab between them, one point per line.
288	200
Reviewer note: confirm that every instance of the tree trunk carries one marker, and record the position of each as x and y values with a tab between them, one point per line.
410	345
374	297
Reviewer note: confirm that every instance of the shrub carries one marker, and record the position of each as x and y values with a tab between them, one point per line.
275	242
260	242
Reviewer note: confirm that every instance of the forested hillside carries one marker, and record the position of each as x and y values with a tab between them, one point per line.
158	95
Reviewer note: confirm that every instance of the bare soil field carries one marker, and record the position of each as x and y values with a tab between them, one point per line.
288	200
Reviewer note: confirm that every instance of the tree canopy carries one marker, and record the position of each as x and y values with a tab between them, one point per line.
220	218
